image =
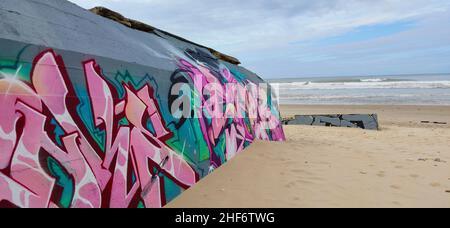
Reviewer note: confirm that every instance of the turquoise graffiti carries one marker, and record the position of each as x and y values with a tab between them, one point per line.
111	140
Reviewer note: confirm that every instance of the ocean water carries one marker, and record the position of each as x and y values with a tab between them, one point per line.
398	90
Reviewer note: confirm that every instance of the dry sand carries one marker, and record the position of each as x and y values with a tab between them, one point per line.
406	164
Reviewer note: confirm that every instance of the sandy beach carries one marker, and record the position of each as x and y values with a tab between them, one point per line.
405	164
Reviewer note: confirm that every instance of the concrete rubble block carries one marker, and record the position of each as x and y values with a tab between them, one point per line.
330	120
364	121
302	120
368	121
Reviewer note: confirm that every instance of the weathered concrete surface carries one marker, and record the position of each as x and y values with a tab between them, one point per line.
363	121
86	114
107	13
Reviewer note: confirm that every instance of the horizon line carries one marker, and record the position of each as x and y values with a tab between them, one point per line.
373	75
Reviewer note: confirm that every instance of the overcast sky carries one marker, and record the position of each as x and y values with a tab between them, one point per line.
306	38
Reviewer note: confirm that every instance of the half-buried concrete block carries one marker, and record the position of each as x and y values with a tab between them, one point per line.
364	121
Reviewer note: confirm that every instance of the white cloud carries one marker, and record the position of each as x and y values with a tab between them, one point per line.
236	25
240	27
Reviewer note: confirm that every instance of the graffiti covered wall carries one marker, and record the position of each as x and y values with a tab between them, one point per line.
81	129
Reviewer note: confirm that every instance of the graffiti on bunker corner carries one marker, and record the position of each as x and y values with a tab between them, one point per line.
113	143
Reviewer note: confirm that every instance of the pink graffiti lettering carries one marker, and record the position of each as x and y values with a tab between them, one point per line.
100	178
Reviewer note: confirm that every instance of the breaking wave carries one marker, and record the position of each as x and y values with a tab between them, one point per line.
365	84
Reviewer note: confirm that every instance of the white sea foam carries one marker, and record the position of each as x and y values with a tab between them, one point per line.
421	89
374	80
367	84
342	96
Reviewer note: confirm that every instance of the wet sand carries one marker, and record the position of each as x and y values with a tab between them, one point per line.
405	164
